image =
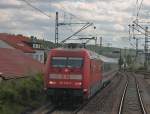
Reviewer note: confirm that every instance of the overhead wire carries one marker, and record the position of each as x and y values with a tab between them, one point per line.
71	13
75	17
137	1
28	3
82	28
140	6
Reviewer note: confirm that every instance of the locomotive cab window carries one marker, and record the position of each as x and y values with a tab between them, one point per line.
74	62
59	61
71	62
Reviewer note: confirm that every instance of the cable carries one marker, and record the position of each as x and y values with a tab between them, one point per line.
71	14
36	8
142	33
133	45
137	1
139	8
82	28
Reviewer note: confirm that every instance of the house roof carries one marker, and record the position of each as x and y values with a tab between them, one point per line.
17	41
16	64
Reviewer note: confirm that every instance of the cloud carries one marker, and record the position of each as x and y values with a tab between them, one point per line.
119	27
10	2
110	17
146	3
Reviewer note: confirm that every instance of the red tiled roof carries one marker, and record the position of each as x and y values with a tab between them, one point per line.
17	41
16	64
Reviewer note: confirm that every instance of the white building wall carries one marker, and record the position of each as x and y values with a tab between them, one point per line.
5	45
39	55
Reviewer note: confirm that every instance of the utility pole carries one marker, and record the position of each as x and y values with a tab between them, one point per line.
146	49
137	40
100	45
101	42
125	60
96	44
133	27
120	60
95	41
85	25
56	30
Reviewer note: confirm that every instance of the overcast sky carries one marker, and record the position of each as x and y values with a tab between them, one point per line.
111	18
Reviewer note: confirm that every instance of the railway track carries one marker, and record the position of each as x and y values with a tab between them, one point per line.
61	112
50	111
70	111
103	101
80	107
45	109
131	101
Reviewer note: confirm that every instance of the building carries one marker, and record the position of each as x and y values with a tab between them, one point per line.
27	45
16	64
38	48
3	44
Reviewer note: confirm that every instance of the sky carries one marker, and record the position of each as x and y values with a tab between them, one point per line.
110	17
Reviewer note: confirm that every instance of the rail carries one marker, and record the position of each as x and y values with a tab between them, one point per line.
80	107
122	98
138	94
140	97
50	111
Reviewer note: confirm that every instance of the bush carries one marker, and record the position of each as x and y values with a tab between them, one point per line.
17	95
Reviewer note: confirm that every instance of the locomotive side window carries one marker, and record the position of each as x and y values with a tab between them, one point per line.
74	62
59	61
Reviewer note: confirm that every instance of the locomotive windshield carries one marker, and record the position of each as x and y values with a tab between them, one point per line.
71	62
74	62
59	61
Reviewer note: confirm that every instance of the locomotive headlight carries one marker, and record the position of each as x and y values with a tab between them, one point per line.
78	83
52	82
85	90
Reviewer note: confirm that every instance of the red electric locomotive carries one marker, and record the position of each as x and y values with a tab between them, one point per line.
73	74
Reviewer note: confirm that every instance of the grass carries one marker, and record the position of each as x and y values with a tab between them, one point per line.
21	94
